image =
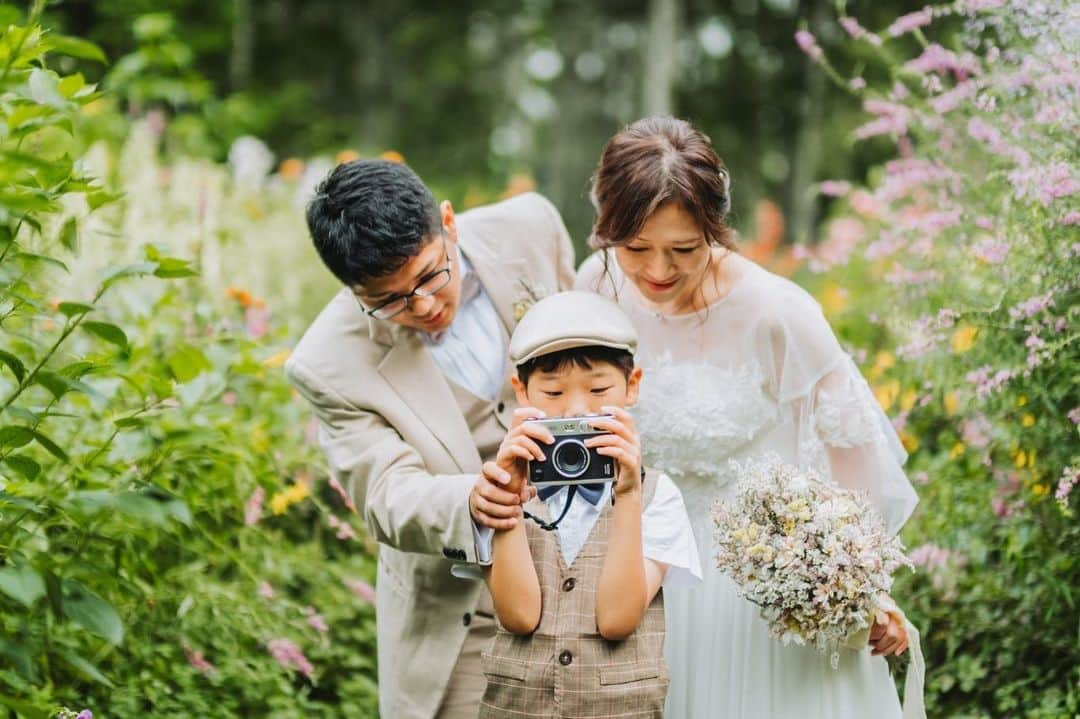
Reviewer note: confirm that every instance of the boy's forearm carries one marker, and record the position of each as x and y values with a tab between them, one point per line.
512	580
621	596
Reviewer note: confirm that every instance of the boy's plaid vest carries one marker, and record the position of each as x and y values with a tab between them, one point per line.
565	668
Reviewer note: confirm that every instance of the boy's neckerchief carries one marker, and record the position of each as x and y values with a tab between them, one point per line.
591	493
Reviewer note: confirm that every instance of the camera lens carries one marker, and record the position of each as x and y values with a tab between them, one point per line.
570	458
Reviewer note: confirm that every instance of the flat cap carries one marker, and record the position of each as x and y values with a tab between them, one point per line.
571	319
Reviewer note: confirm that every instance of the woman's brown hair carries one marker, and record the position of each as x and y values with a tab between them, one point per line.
649	163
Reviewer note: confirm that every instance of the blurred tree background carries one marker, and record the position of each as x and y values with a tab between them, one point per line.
485	97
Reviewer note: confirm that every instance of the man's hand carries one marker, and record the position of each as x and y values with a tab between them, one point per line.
622	444
501	489
889	637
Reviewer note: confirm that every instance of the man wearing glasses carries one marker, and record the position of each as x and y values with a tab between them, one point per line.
407	371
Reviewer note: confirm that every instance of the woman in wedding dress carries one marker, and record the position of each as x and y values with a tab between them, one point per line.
738	362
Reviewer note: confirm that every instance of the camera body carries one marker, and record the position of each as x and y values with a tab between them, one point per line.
568	460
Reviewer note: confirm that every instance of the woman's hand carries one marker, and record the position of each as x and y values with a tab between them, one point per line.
889	637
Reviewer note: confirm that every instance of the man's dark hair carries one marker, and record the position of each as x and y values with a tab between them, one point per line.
584	357
369	217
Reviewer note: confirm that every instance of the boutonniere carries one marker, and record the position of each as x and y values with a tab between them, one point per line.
528	295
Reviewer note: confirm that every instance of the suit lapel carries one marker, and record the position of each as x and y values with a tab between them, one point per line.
500	277
409	368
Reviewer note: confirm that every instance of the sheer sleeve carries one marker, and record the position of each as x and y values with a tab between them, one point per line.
842	431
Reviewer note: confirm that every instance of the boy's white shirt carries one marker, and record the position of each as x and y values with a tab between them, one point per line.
666	536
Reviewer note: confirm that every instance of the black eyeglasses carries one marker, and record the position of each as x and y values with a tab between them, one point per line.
427	287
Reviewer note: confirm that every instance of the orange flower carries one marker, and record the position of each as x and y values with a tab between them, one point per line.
346	155
291	168
245	298
392	156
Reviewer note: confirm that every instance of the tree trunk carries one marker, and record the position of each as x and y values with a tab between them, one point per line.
242	56
660	58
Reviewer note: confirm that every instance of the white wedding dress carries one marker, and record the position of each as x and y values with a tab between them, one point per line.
758	371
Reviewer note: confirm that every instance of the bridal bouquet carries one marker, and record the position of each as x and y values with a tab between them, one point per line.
812	555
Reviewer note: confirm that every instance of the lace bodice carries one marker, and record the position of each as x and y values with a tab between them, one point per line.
758	371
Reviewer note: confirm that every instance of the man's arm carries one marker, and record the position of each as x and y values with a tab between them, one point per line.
405	505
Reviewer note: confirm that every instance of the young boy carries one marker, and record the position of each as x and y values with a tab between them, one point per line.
579	608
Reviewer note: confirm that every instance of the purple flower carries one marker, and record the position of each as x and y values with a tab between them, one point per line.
992	252
256	321
910	22
1069	479
315	620
265	590
254	506
1072	218
834	188
857	83
196	659
857	31
1032	306
85	714
935	58
361	589
809	45
1074	415
290	656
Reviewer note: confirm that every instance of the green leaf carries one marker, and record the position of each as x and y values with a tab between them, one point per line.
51	447
58	386
55	594
137	269
129	422
73	309
93	613
97	198
23	584
178	510
187	363
33	259
14	364
76	47
84	667
69	234
45	89
23	465
15	436
20	658
171	267
24	709
108	332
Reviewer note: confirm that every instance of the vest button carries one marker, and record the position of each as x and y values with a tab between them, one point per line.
501	407
566	657
568	584
467	619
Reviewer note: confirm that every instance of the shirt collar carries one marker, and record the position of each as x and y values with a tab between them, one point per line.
470	290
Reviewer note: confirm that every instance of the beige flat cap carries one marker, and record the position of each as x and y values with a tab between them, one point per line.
571	319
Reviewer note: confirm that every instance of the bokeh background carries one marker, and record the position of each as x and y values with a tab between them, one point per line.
169	541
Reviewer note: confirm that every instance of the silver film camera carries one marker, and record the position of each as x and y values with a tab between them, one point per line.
568	460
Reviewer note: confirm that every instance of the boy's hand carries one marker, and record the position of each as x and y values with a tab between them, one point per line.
889	637
623	445
501	489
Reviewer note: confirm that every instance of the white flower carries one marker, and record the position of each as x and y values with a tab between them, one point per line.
250	160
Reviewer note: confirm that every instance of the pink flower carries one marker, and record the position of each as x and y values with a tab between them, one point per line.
809	45
229	399
254	506
1073	218
361	589
857	31
344	529
976	432
196	659
857	83
315	620
256	321
834	188
1057	182
335	484
921	478
1074	415
935	58
974	6
1069	479
930	556
949	101
1032	306
992	252
290	656
265	590
910	22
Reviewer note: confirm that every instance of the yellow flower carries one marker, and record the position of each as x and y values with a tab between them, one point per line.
1040	490
291	168
518	183
907	400
910	442
833	298
392	156
1024	459
1021	400
886	393
964	338
951	403
957	451
882	361
277	360
346	156
281	501
1028	420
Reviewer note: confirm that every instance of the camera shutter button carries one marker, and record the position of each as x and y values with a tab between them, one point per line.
569	584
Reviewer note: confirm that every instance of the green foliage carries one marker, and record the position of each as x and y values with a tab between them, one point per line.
139	430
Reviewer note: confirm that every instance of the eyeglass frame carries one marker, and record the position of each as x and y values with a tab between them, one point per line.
416	292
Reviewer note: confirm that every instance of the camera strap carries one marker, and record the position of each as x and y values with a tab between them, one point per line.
550	526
